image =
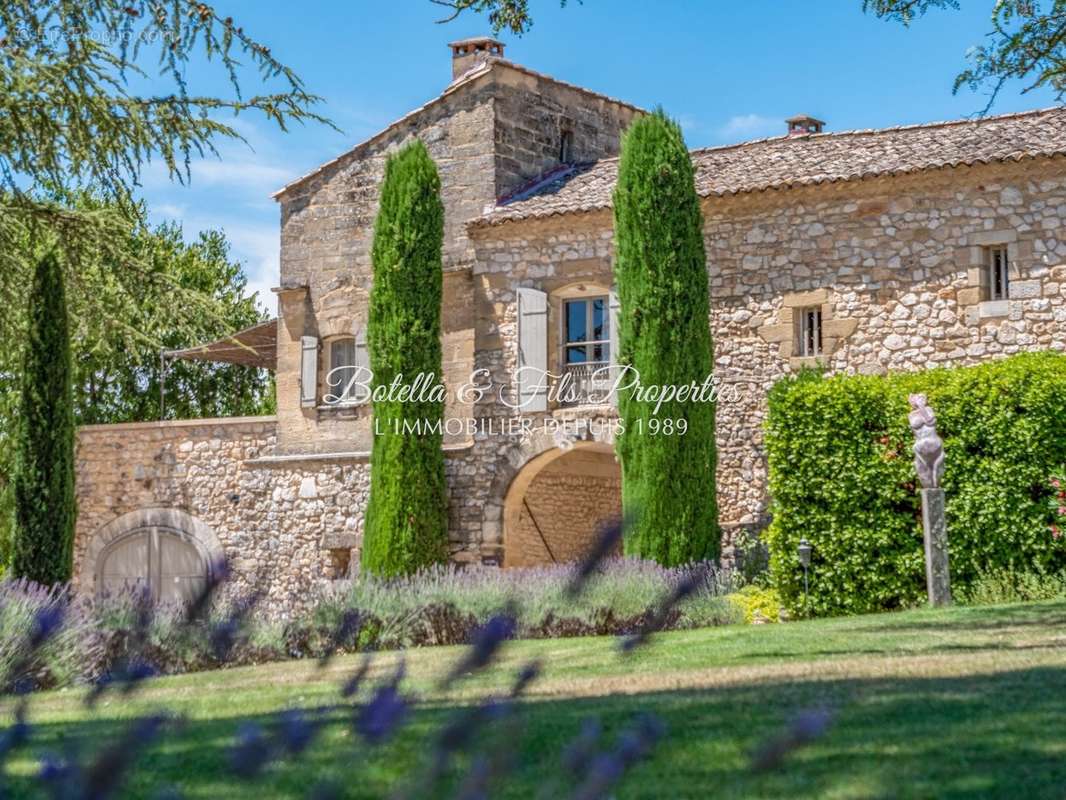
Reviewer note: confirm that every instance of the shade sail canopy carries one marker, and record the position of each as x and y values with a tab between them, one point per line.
256	346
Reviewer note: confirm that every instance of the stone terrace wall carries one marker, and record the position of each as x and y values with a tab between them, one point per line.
891	262
280	523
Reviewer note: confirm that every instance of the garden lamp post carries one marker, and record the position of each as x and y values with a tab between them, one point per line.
804	553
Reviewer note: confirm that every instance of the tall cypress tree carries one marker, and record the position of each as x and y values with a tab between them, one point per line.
406	519
668	481
44	466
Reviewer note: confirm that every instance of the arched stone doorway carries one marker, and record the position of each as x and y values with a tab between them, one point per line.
166	551
558	502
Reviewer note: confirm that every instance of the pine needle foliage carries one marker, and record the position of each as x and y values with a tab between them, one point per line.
668	480
44	471
80	110
406	521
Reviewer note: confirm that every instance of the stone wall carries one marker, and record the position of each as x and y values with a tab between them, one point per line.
533	115
280	523
891	262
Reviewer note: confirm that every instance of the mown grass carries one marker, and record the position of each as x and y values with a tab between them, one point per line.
962	702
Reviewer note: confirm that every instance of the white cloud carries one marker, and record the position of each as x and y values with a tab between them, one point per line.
236	173
750	126
258	247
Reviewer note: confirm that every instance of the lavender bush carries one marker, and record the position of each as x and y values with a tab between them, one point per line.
443	604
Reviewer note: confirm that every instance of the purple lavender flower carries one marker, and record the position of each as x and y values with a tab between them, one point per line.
251	752
380	717
487	640
807	726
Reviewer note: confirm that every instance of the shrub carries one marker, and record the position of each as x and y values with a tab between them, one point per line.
74	652
756	601
44	455
1057	503
668	481
996	587
842	476
406	518
444	604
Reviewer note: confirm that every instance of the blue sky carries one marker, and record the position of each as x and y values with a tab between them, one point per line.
728	71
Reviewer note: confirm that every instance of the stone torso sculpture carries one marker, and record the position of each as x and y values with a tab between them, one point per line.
928	446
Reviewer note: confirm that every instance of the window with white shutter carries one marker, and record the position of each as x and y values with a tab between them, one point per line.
308	370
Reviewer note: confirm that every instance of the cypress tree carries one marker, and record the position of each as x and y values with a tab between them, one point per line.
668	481
406	519
44	466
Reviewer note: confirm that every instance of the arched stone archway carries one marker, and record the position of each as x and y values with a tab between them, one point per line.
558	502
166	549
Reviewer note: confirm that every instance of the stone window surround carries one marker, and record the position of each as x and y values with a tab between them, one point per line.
973	299
333	329
785	332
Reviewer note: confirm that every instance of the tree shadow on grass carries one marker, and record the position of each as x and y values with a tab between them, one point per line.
998	735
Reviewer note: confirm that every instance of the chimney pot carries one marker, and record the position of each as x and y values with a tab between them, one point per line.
804	124
468	53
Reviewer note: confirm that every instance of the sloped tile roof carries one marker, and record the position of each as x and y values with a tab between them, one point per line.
783	161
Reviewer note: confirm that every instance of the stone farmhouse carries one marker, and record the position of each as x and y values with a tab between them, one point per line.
862	251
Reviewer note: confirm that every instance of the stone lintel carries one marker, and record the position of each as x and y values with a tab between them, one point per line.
990	238
815	297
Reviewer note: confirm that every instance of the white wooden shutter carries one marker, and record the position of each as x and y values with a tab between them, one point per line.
308	370
362	364
615	312
532	350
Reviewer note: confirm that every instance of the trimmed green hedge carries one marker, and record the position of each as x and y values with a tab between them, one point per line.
842	475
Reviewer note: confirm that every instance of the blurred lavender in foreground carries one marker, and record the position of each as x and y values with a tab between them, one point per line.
807	726
488	732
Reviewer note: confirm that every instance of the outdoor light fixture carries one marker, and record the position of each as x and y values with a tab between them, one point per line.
804	553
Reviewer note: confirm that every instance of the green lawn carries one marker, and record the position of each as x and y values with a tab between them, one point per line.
966	702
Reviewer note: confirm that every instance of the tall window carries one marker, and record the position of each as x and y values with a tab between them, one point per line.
997	272
566	146
341	367
587	331
810	330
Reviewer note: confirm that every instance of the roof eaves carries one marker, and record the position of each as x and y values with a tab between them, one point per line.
501	214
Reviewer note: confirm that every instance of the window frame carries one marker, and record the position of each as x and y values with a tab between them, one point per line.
810	332
997	259
333	344
566	146
566	344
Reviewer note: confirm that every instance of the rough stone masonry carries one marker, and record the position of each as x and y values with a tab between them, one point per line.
862	251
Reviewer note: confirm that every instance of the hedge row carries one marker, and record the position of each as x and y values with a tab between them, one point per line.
842	476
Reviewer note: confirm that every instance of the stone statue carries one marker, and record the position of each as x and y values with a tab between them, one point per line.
928	446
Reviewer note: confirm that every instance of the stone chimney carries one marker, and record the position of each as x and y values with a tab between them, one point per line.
468	53
803	124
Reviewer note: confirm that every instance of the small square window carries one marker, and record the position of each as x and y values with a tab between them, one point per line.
996	262
810	332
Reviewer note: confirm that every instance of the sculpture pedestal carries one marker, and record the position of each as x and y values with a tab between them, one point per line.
934	525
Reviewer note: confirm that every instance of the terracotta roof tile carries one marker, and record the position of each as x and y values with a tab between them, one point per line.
785	161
